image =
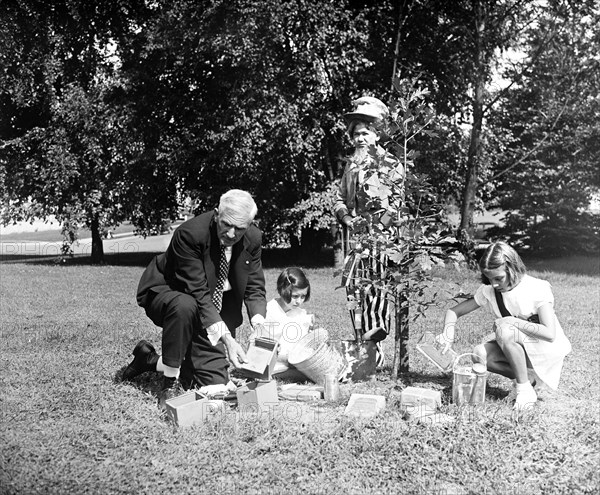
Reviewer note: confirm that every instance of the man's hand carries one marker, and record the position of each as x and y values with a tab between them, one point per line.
236	354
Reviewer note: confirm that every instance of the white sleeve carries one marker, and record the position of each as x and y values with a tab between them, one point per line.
216	331
480	296
543	295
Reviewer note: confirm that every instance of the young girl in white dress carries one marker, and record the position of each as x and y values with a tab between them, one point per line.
528	344
286	320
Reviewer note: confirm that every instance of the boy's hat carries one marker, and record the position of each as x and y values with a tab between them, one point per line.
367	108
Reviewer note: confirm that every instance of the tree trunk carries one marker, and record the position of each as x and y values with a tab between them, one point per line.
294	244
97	247
473	165
474	154
400	364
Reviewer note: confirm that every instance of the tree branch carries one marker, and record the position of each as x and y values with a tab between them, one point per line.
535	148
542	47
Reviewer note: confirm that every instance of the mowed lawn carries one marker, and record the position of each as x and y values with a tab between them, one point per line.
68	425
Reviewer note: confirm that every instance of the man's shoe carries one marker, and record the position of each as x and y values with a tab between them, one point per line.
171	387
145	359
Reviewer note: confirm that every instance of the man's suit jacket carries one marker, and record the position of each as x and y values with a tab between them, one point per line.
190	265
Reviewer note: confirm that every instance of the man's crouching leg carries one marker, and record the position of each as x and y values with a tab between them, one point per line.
178	315
204	364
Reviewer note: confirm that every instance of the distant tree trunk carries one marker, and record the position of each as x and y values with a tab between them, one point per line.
474	153
97	247
397	48
473	164
294	243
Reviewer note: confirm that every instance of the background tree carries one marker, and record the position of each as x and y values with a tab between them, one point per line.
548	166
457	54
181	100
65	142
252	93
72	168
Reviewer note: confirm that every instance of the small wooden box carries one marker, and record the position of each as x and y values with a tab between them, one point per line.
301	393
365	405
416	398
262	356
257	396
192	408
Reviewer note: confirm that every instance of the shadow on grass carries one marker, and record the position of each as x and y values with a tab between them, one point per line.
573	265
443	383
121	259
272	258
283	257
149	382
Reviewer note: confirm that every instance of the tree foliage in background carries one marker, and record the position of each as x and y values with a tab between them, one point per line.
550	123
68	147
249	92
127	110
459	53
476	56
73	166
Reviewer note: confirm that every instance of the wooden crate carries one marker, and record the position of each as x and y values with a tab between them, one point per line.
257	396
192	408
262	355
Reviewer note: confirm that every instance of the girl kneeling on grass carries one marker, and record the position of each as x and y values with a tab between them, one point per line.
286	321
528	344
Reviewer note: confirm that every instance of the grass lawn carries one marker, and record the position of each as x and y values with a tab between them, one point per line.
69	426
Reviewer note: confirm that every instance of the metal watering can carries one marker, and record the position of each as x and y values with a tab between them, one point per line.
468	382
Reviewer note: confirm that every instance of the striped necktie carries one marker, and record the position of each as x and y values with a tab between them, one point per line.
217	296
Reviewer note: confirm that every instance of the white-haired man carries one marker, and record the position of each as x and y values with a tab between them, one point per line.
195	290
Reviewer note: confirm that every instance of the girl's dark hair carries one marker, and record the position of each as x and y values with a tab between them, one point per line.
290	279
498	255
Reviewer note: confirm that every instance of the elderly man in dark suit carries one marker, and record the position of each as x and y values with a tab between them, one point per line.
195	290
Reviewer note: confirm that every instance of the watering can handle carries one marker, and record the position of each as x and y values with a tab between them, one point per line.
458	358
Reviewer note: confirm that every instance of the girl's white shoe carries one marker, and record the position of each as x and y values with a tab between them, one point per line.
533	379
